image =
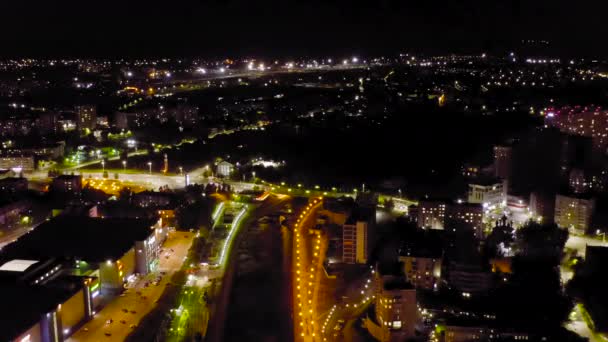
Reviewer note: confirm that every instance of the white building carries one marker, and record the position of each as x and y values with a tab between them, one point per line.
488	193
224	169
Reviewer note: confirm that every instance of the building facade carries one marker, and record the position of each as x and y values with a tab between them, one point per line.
574	213
502	161
490	193
86	117
355	242
431	214
24	163
67	184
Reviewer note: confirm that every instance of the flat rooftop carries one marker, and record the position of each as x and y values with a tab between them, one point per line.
24	306
85	238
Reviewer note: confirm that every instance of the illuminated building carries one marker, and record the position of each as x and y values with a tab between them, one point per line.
439	214
86	117
67	184
466	215
23	163
431	214
489	192
422	270
396	311
588	121
356	236
224	169
574	212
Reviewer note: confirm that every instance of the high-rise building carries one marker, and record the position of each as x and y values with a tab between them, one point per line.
587	121
396	313
502	161
431	214
356	242
466	215
574	212
86	117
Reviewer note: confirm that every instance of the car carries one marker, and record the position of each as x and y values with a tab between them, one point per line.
132	326
107	334
85	329
109	321
133	312
123	321
125	310
122	294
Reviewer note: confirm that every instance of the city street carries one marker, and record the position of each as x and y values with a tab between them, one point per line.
136	305
306	263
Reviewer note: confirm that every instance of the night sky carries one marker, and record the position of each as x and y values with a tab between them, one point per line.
242	27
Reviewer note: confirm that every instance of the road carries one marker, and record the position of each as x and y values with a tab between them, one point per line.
306	263
95	330
578	243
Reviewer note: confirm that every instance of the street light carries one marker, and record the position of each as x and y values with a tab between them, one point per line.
253	175
150	166
603	234
181	170
124	165
103	165
399	193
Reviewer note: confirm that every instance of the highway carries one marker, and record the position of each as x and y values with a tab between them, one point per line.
136	305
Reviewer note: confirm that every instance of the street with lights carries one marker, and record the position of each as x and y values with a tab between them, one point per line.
307	262
122	315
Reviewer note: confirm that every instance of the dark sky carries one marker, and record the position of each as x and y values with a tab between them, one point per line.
271	27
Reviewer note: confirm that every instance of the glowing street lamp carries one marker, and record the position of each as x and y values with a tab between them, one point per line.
103	165
124	165
150	167
181	170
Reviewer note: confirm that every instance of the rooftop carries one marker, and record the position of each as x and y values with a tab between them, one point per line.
17	265
86	238
26	304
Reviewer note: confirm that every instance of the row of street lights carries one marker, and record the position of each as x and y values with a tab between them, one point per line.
305	286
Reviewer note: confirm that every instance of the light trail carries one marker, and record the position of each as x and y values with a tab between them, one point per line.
233	228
